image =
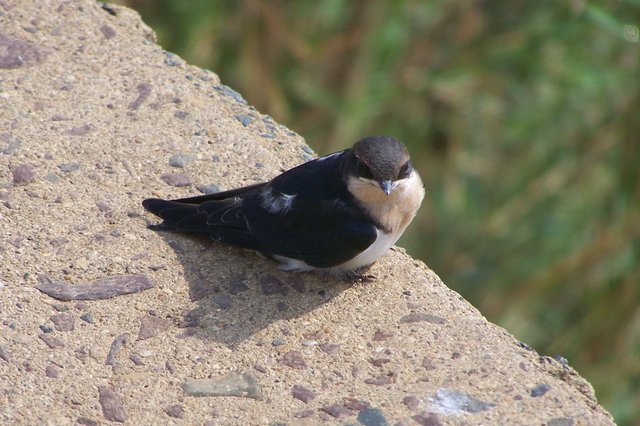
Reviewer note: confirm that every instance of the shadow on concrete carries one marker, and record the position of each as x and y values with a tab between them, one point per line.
239	293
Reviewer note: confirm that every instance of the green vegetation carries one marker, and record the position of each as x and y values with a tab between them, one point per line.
523	119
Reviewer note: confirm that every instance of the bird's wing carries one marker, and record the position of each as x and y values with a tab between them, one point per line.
319	223
322	233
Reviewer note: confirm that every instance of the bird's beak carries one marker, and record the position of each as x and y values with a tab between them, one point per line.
386	186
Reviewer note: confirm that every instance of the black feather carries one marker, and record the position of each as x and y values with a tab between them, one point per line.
323	214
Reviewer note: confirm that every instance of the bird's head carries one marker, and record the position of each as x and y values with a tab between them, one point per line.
381	162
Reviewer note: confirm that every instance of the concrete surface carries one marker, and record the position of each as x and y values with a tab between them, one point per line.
95	117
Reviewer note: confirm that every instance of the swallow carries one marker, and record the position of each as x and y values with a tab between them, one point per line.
337	213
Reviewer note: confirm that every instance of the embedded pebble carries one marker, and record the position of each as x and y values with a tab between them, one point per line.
51	341
5	355
15	53
176	179
102	288
272	285
419	316
112	406
242	384
199	290
69	167
107	32
237	286
244	119
51	177
82	353
59	241
175	411
427	364
180	160
63	322
171	60
12	144
80	130
45	328
336	410
144	90
23	174
372	417
16	241
329	348
212	188
278	342
151	325
228	91
540	390
427	419
136	359
303	394
451	402
192	317
294	359
411	402
87	317
562	360
355	404
380	380
381	335
60	307
379	362
561	421
116	345
222	300
52	371
103	207
86	421
303	414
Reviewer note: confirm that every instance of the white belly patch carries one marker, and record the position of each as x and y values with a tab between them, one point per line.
379	247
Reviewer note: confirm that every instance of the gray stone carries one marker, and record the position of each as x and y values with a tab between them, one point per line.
16	53
422	317
69	167
176	179
540	390
242	384
372	417
303	394
451	402
151	325
63	322
180	160
23	174
115	348
112	405
103	288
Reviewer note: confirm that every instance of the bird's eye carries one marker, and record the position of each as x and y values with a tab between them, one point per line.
364	170
405	170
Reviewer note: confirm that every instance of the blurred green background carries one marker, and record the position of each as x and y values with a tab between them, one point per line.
523	118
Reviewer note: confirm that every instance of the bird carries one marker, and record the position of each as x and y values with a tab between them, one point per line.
337	214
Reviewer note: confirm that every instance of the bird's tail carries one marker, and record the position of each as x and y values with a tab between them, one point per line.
176	216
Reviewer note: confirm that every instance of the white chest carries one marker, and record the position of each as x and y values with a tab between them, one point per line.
376	250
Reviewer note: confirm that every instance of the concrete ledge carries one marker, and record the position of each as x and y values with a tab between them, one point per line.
96	117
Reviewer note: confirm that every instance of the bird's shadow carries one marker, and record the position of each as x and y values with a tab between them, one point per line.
238	293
